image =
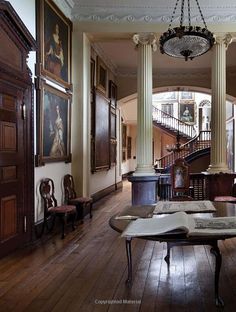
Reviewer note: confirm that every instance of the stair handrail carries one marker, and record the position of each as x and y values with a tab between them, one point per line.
175	123
199	142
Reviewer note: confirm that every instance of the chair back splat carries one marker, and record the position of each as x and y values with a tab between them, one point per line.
71	198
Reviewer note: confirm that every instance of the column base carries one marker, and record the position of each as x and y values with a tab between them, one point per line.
218	168
144	189
145	170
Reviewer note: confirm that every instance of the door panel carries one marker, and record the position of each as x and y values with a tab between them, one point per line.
12	167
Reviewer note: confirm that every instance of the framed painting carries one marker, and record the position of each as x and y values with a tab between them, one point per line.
101	76
124	135
92	73
230	144
165	96
54	35
53	125
112	93
100	147
187	112
123	155
129	147
184	95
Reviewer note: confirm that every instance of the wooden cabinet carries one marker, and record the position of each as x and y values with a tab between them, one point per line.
16	132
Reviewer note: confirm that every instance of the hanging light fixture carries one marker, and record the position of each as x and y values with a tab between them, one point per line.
189	41
177	147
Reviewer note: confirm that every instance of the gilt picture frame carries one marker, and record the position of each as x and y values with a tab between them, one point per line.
53	125
54	32
101	76
187	112
113	93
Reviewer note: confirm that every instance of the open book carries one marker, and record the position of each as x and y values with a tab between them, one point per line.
181	221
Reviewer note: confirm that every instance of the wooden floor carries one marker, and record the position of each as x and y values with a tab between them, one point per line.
87	270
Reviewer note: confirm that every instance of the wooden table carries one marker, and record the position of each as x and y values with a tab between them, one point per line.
177	237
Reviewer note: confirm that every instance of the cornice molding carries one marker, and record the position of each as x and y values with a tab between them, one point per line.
191	74
150	14
65	6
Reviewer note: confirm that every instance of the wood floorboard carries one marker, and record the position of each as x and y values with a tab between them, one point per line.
86	272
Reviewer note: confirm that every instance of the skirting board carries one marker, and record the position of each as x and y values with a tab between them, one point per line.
106	191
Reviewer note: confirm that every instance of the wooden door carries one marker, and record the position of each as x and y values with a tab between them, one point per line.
16	132
13	219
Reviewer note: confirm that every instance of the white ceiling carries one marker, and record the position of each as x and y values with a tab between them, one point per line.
117	47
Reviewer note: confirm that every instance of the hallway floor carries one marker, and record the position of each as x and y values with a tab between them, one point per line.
87	271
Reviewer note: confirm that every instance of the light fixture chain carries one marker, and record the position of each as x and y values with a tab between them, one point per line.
182	13
201	14
189	18
173	14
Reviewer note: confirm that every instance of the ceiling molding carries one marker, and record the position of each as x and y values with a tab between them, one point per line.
151	14
65	6
191	74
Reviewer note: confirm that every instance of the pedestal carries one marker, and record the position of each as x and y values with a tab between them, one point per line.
144	189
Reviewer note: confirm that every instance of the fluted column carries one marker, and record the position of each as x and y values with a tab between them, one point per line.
218	108
145	43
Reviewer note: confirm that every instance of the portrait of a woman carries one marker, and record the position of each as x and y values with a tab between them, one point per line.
56	44
54	58
57	130
55	126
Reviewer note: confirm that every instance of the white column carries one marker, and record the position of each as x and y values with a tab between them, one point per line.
145	43
218	107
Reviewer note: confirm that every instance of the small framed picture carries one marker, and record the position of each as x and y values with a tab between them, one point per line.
124	135
53	125
184	95
92	73
101	76
129	147
54	34
112	93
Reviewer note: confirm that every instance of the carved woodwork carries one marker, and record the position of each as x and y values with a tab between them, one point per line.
16	132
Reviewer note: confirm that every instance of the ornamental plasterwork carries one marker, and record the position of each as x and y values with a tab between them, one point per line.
151	14
65	6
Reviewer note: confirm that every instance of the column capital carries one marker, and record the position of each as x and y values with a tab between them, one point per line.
223	38
146	39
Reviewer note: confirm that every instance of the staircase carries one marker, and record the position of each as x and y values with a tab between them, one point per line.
172	124
200	145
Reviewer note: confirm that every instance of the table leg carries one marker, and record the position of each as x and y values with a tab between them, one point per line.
216	251
167	257
129	259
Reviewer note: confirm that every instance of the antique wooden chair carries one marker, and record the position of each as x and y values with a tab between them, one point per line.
51	209
71	198
181	190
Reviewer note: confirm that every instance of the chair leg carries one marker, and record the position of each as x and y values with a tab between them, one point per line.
73	221
90	210
63	221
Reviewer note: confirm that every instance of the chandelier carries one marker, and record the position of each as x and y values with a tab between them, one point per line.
177	147
186	41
